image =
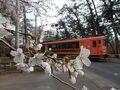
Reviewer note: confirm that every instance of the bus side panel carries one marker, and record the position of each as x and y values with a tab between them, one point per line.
93	47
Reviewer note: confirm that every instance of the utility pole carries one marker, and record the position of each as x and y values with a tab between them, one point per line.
17	25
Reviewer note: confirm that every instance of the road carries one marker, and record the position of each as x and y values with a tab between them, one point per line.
100	76
105	74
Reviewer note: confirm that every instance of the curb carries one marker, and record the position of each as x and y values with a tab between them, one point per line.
117	61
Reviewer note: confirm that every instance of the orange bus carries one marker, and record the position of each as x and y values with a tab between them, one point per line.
72	47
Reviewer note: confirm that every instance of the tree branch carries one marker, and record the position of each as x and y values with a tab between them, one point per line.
7	44
55	77
60	80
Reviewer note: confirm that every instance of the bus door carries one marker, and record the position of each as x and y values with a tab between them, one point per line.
94	47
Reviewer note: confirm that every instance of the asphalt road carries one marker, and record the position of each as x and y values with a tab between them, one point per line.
105	74
100	76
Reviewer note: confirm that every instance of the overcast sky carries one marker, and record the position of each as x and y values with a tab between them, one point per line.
53	12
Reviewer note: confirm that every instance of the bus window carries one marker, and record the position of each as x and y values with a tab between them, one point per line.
60	45
73	45
94	44
99	41
57	46
65	45
49	46
54	46
77	44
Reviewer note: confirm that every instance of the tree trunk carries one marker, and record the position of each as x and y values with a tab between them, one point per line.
92	20
25	25
115	31
36	27
17	25
97	22
79	26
